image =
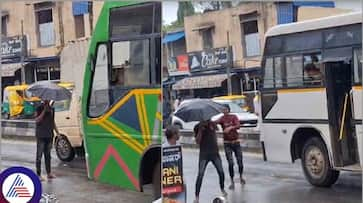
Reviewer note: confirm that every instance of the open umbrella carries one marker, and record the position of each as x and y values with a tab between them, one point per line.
47	90
199	110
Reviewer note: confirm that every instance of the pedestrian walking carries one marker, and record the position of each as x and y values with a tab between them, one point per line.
205	132
230	124
45	125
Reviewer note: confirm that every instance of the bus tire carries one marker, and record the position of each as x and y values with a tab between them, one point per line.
316	164
64	149
156	181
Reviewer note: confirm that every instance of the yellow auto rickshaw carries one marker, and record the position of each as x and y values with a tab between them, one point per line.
17	104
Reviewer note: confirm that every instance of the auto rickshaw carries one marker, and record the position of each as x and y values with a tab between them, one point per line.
17	104
240	100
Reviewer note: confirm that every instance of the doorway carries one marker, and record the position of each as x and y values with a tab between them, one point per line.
342	129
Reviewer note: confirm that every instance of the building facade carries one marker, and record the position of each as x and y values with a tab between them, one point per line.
42	29
228	39
232	40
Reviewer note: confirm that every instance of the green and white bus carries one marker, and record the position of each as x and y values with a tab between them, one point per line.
312	96
121	102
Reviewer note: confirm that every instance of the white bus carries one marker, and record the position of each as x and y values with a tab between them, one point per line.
312	96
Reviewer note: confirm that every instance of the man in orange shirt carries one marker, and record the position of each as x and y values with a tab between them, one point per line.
230	124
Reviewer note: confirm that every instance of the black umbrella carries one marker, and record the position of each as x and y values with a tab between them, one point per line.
199	110
47	90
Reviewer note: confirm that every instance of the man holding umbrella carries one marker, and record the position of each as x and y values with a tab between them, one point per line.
203	110
206	137
45	124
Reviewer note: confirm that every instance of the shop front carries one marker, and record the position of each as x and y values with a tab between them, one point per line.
42	68
205	85
13	51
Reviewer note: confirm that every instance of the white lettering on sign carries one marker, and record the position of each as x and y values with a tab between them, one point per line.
171	158
11	47
215	58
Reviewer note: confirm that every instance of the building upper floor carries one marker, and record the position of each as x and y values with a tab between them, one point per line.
48	25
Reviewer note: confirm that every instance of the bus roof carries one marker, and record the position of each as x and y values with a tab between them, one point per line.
320	23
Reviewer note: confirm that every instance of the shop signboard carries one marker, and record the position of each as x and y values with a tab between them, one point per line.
209	59
13	47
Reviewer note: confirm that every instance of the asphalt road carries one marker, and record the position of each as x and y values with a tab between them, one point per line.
71	184
268	182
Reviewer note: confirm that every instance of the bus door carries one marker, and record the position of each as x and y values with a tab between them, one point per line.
338	79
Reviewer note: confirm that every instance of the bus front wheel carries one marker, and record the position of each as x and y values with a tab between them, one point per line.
316	165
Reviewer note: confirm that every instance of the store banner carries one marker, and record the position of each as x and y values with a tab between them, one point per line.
173	189
183	63
209	59
13	47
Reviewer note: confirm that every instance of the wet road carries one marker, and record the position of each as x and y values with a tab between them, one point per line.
71	184
269	183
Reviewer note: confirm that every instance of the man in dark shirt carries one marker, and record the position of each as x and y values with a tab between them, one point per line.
230	124
45	125
206	137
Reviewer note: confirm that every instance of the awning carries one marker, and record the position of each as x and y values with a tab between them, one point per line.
8	70
79	7
171	37
199	82
47	58
327	4
204	27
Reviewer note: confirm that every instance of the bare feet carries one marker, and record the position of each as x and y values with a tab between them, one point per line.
242	181
51	176
41	178
231	187
224	193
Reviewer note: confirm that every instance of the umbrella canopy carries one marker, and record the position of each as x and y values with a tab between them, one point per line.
47	90
199	110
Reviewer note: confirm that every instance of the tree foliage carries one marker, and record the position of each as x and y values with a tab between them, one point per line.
213	5
185	8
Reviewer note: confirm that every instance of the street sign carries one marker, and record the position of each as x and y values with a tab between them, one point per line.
173	189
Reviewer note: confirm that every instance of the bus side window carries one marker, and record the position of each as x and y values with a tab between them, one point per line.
268	81
279	71
100	99
357	66
313	70
130	66
294	72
